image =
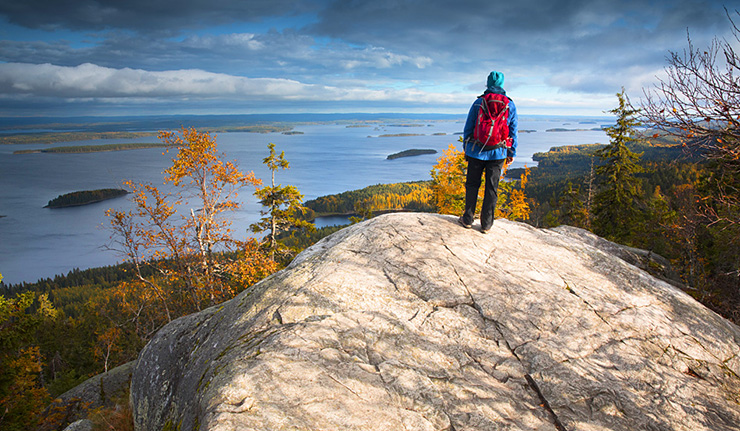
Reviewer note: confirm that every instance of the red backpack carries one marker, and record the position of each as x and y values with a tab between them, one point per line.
492	125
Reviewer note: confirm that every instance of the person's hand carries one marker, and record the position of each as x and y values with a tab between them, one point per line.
509	160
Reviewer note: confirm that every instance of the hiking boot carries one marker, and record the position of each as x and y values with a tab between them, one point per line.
484	230
463	224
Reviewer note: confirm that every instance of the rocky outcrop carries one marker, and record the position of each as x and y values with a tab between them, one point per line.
102	390
410	322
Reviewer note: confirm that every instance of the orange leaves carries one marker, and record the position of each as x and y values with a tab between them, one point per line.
198	161
107	344
175	239
513	203
448	182
22	396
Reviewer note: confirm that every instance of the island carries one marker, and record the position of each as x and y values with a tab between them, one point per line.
84	197
399	135
409	153
79	149
561	129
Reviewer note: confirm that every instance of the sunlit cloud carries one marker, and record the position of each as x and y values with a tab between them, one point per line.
92	81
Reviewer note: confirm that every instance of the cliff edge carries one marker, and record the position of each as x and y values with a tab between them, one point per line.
410	322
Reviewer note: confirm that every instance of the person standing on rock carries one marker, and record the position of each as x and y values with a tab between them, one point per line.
489	141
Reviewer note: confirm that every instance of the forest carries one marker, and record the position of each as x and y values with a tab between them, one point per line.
413	196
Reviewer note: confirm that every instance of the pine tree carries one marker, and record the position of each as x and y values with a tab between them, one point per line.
570	208
616	205
284	206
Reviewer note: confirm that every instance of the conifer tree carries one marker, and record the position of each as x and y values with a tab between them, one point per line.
616	205
284	206
570	208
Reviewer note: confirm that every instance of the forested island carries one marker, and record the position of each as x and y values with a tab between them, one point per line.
56	137
410	153
562	129
71	136
399	135
79	149
84	197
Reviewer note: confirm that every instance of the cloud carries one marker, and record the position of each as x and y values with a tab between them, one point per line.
422	54
144	15
92	81
273	54
561	34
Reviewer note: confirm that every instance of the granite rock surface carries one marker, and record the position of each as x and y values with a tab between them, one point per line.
411	322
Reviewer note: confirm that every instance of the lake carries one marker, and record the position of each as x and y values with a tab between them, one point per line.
38	242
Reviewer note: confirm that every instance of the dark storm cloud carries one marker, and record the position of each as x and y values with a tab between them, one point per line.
393	52
143	15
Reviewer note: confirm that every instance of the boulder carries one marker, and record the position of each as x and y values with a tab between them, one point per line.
411	322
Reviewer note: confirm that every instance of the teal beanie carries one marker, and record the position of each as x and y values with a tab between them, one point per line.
495	80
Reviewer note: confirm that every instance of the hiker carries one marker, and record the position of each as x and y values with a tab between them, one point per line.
484	156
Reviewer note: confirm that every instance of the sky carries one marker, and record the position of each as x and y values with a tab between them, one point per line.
154	57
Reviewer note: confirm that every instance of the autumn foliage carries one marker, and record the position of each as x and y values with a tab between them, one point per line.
22	395
180	243
448	189
448	182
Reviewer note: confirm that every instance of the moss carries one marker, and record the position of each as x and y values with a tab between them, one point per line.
170	426
200	381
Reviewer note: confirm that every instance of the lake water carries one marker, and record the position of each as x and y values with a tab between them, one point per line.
37	242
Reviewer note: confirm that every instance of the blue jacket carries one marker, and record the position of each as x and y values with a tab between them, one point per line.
474	151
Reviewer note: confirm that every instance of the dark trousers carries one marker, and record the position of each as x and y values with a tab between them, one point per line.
492	170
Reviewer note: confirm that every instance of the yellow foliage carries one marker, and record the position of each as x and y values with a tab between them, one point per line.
448	187
179	256
448	182
24	397
512	201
